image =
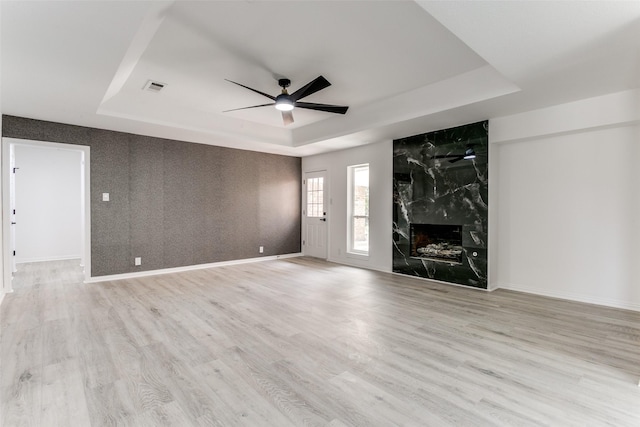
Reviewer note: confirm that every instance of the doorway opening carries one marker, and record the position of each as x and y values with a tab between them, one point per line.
53	193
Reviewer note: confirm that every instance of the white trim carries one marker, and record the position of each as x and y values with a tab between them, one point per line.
558	295
569	296
492	287
46	259
122	276
357	255
344	261
6	219
351	252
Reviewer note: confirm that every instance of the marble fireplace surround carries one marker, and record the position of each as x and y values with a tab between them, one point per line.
440	216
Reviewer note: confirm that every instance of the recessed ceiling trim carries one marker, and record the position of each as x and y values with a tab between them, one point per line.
474	86
139	44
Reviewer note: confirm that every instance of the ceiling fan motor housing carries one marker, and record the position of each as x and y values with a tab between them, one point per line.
284	83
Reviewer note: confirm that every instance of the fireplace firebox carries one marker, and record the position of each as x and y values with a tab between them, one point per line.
436	242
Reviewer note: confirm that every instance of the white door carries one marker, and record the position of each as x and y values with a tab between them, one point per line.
315	214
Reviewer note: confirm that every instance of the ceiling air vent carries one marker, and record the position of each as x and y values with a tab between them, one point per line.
152	86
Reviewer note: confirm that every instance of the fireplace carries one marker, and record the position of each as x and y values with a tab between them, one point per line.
436	242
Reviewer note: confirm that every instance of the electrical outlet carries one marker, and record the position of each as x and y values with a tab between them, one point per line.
261	249
105	197
138	260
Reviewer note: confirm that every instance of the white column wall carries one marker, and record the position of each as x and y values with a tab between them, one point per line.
568	201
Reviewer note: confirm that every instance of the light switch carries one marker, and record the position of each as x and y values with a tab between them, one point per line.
105	197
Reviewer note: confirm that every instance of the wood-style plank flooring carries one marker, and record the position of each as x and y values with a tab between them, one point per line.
302	342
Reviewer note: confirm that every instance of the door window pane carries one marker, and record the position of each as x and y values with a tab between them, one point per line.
315	197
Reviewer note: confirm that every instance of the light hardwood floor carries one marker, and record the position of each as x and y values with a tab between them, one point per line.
301	342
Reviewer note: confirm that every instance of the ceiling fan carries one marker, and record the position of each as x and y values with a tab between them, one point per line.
468	155
286	102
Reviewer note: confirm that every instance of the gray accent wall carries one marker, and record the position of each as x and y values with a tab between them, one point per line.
176	203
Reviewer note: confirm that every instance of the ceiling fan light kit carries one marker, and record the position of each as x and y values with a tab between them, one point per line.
286	103
283	101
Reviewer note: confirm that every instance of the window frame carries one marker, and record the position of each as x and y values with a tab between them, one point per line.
351	171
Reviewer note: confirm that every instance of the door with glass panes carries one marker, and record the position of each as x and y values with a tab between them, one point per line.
314	212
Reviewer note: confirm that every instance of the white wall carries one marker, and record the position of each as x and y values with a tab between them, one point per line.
48	204
568	198
380	159
3	286
564	214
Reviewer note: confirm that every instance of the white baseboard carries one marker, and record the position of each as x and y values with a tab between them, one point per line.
492	287
45	259
607	302
358	264
96	279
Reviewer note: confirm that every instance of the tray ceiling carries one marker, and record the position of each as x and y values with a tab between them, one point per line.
402	67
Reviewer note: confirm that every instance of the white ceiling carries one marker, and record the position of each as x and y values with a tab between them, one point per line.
403	67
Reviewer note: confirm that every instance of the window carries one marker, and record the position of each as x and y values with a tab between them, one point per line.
358	222
315	197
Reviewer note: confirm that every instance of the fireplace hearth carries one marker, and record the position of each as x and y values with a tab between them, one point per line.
436	242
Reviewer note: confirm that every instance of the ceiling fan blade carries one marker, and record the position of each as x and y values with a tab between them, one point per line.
311	87
253	106
287	117
338	109
253	90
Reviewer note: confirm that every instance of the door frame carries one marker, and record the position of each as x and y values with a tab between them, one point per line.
303	210
7	147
